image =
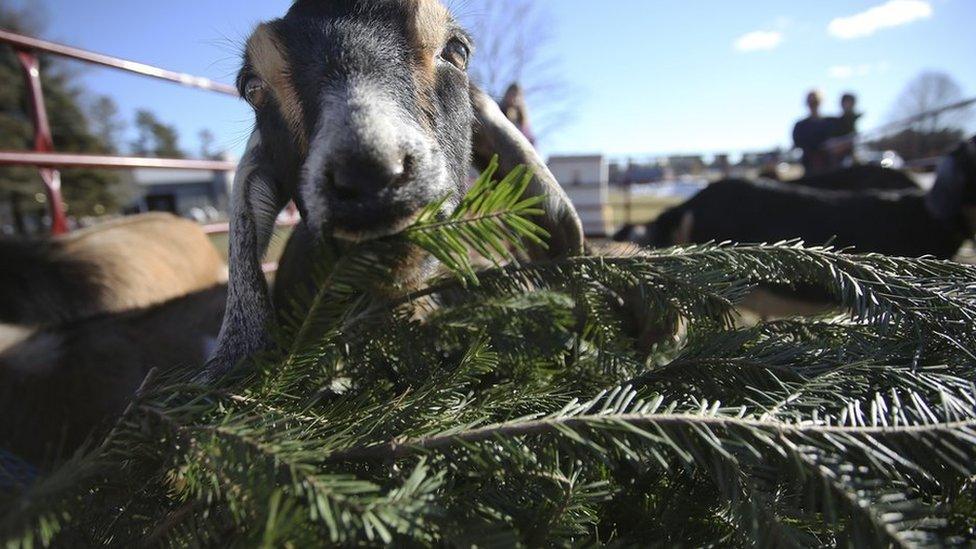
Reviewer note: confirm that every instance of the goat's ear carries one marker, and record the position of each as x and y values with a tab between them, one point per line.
495	134
255	204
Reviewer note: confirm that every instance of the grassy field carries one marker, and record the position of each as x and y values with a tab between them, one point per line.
278	241
640	209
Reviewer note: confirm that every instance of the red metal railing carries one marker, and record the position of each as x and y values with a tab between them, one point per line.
43	142
47	161
30	44
61	160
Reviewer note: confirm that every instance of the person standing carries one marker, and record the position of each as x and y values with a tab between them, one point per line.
847	122
844	131
516	110
811	135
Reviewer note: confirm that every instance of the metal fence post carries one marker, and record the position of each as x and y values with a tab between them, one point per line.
42	139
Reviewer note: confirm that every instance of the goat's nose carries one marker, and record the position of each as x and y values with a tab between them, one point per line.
361	177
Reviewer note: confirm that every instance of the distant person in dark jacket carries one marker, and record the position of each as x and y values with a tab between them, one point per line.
516	110
811	135
846	124
844	132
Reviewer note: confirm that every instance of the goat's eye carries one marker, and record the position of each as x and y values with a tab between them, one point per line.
254	91
456	53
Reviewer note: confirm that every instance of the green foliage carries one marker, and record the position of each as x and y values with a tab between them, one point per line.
87	192
489	219
155	138
528	405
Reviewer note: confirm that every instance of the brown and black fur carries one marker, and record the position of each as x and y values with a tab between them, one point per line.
121	265
61	383
345	91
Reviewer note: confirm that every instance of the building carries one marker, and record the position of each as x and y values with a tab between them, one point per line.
195	194
586	180
638	173
688	164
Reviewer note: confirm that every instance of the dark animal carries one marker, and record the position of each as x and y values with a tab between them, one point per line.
60	383
121	265
364	115
904	223
859	178
854	179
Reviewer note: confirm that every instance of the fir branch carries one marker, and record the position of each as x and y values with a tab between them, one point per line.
531	427
490	218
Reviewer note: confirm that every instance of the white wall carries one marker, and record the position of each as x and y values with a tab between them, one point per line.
586	181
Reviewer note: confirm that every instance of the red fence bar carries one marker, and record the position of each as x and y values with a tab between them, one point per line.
61	160
42	139
47	161
21	42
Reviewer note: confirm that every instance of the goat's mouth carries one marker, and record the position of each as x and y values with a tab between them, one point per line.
384	213
366	234
364	203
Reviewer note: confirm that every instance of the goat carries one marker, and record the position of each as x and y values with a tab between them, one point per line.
121	265
906	223
853	179
859	178
364	115
59	383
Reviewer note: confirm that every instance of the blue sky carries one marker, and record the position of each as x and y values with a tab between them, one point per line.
649	76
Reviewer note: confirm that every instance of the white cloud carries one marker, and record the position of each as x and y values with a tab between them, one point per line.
841	72
759	41
846	72
893	13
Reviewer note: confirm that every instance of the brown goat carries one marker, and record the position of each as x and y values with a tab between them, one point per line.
84	317
58	384
122	265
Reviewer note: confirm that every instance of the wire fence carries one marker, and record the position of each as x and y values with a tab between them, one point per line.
923	138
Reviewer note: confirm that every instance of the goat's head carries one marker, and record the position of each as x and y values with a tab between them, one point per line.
365	111
953	197
365	105
364	115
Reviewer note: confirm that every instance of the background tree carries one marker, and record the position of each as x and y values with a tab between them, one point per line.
930	91
106	121
208	145
514	40
86	192
155	138
929	132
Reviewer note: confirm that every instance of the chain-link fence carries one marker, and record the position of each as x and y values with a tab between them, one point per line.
921	139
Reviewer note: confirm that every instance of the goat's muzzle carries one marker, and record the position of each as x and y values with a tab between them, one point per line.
371	168
365	178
